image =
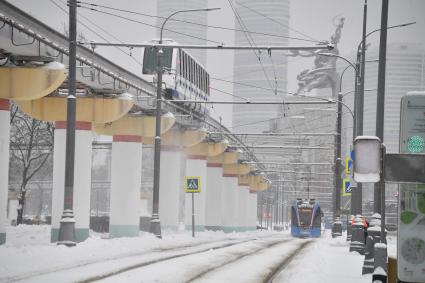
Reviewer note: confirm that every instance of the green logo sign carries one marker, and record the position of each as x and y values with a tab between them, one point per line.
415	144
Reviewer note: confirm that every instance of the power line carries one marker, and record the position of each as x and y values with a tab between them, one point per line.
278	118
249	85
93	31
194	23
228	93
249	39
277	22
146	24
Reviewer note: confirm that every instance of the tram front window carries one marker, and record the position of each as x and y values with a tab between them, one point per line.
150	60
305	218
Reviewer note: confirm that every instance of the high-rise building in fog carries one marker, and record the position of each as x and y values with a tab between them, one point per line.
268	72
405	71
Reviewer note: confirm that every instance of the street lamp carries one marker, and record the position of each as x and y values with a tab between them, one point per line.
155	225
337	229
359	98
67	223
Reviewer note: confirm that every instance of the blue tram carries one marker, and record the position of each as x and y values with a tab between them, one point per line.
306	219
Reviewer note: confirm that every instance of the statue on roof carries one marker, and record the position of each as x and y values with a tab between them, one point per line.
323	74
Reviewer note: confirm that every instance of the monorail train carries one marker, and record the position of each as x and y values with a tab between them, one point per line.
306	219
183	79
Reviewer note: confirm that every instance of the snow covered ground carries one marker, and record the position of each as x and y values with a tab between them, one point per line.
29	257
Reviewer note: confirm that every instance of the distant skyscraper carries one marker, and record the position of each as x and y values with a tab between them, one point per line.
197	33
405	71
267	72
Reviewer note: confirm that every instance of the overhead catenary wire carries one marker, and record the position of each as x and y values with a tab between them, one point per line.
228	93
93	31
250	40
276	21
252	86
198	24
271	119
146	24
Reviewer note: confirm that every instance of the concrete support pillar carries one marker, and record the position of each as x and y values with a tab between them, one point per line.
196	165
126	205
215	186
82	179
126	181
242	215
169	186
21	84
243	202
252	211
229	202
4	165
58	179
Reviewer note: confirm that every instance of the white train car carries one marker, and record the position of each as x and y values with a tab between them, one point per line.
184	78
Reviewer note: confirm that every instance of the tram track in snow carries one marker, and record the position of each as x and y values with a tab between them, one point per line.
281	267
184	254
155	254
237	258
214	260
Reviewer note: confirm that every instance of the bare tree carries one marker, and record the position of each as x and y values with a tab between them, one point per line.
31	143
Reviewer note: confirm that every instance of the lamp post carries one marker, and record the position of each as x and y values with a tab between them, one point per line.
359	98
155	225
67	223
337	229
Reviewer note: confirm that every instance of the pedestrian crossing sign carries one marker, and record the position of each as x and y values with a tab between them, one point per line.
346	187
192	184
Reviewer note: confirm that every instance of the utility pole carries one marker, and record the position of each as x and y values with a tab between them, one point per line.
379	190
360	106
67	223
355	194
155	225
338	158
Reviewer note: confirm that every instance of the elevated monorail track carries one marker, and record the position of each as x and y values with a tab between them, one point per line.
23	36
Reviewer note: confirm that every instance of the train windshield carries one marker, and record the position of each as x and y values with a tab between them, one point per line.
305	217
150	60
